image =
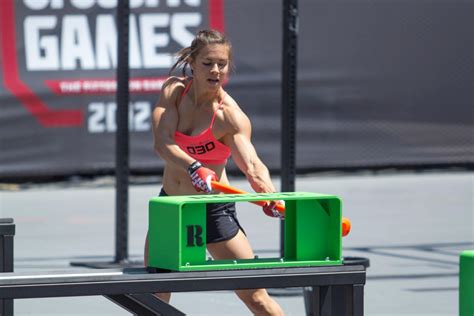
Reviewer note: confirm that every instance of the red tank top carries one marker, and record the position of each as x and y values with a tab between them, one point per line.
203	147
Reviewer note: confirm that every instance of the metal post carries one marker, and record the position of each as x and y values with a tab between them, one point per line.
121	146
7	232
122	135
288	111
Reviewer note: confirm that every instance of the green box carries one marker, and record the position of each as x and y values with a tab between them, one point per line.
466	283
177	232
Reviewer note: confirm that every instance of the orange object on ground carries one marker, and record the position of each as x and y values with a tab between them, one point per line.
224	188
346	226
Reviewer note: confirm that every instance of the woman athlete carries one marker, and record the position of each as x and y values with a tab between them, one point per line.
197	126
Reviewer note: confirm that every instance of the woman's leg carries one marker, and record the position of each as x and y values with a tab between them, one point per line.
238	247
163	296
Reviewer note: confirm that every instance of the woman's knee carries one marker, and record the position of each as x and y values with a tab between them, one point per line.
259	302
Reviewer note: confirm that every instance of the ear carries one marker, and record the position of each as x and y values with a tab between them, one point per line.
190	62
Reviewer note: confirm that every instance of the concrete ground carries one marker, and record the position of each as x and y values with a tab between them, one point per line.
412	227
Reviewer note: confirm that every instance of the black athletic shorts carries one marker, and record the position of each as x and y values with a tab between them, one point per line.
221	221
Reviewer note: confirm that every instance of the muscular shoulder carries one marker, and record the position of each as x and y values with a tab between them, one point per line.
171	89
233	117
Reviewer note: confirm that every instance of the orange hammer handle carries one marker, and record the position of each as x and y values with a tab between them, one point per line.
224	188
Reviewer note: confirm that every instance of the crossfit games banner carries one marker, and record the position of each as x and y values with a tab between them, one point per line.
58	90
385	83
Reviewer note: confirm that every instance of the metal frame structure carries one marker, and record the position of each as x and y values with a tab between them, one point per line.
122	150
335	290
288	100
7	232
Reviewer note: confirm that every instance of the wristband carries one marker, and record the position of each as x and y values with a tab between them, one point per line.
193	167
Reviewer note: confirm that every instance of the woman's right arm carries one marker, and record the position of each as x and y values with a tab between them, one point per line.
165	122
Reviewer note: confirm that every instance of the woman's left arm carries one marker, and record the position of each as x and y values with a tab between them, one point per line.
244	153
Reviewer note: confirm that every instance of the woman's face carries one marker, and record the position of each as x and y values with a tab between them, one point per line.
211	66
